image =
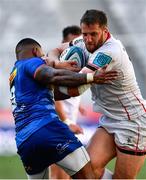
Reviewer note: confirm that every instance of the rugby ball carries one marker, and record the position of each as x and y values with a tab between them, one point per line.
75	54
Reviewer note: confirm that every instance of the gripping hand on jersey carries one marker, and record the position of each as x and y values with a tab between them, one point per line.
98	77
104	77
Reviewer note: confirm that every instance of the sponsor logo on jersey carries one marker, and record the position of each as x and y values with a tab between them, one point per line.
101	60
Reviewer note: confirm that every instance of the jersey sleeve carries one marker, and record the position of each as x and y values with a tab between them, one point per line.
32	65
108	55
98	60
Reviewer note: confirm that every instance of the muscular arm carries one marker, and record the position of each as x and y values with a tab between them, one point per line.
100	77
60	110
50	76
60	77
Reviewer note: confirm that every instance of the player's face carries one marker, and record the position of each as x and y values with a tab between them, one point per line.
93	35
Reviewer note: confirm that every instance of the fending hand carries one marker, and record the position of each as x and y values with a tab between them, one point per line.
103	77
76	129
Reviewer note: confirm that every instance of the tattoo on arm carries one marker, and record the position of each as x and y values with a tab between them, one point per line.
47	75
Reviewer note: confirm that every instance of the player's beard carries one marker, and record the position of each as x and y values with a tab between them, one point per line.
100	42
90	47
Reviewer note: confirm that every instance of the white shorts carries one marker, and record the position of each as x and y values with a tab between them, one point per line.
130	135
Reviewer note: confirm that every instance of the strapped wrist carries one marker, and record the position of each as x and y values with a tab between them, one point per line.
68	122
90	77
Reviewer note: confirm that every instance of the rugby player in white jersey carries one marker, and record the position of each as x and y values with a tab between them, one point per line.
122	128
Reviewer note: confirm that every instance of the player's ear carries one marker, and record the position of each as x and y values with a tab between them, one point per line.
35	51
105	29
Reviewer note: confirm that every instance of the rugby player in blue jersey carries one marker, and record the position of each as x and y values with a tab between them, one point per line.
41	138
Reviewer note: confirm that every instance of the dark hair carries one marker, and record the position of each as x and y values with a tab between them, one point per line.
25	42
94	16
75	30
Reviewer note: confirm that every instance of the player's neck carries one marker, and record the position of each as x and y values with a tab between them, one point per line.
108	36
25	55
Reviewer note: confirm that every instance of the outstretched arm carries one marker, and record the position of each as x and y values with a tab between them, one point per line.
99	77
60	77
49	76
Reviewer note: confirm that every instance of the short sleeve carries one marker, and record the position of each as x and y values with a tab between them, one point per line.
98	60
32	65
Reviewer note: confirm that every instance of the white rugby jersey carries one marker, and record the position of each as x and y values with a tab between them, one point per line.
122	99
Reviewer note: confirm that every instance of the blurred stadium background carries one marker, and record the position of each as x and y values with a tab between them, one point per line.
43	20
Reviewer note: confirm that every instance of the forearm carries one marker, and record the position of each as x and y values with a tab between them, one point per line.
53	57
54	54
69	78
60	77
60	110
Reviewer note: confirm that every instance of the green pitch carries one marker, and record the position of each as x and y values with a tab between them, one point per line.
11	168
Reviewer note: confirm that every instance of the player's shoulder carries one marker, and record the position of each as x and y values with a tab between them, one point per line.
34	61
32	65
111	47
77	41
108	52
